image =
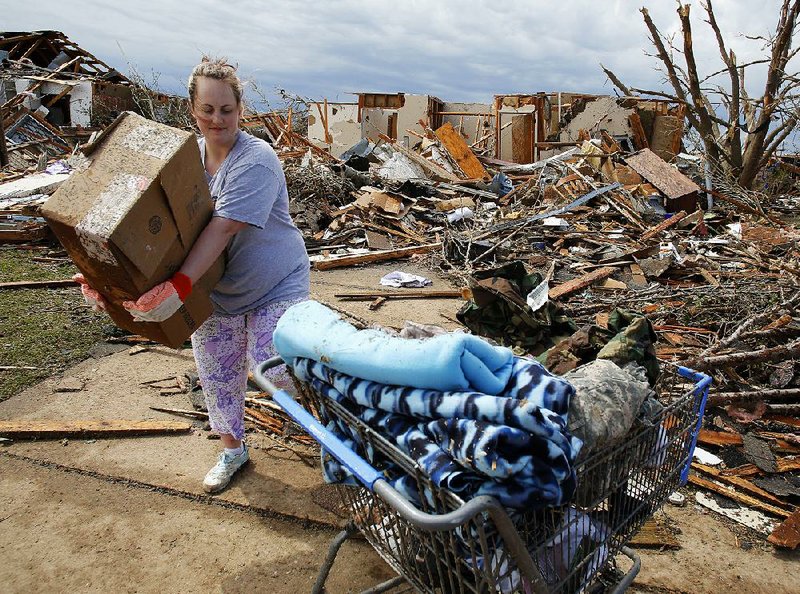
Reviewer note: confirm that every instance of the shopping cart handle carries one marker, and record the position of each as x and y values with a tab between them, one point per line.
360	468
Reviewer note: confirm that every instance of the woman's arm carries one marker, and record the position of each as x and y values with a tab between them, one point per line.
209	245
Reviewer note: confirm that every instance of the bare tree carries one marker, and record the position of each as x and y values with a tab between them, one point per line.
740	133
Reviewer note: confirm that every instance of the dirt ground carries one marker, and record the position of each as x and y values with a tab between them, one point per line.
128	514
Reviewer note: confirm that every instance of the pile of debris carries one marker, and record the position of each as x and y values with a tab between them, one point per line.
601	228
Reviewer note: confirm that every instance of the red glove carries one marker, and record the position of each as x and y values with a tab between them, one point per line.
91	296
160	302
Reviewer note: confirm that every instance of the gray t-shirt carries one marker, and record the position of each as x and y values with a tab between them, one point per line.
266	261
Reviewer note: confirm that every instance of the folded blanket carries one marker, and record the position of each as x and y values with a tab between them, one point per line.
513	446
446	362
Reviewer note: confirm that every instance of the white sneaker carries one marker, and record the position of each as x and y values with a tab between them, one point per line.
227	465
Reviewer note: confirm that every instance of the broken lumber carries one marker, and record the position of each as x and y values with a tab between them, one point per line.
664	225
787	535
455	144
581	282
723	398
109	428
195	414
67	282
343	261
779	353
434	171
783	465
718	438
654	535
741	483
407	294
742	498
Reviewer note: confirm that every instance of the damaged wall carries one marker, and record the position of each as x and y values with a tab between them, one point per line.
601	114
343	127
471	127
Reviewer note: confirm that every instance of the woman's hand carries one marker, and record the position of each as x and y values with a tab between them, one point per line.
92	297
160	302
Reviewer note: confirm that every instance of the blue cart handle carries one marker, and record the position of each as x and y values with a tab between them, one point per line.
349	459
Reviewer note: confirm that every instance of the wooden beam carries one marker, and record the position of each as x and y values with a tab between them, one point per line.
783	464
581	282
743	484
109	428
664	225
66	90
344	261
738	497
718	438
406	294
461	153
38	284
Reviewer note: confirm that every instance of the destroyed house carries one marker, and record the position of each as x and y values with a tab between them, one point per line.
46	73
53	93
519	128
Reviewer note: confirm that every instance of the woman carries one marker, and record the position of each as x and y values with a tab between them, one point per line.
266	270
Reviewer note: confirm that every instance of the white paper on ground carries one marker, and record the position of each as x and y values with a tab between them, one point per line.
404	279
745	516
706	457
460	213
538	296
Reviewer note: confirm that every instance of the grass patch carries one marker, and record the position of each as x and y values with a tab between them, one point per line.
49	329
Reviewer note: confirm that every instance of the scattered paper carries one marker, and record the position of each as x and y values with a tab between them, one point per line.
538	296
459	214
404	279
706	457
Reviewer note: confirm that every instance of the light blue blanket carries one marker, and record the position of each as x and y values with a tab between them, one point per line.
446	362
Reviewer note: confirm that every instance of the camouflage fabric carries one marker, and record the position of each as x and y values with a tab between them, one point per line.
607	402
635	340
629	337
498	311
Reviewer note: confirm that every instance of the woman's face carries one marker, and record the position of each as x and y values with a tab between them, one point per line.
216	111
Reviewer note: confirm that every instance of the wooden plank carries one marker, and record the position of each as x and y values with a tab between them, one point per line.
738	497
787	535
38	284
783	464
344	261
455	144
718	438
84	428
67	282
654	535
581	282
662	226
639	137
661	174
406	294
742	484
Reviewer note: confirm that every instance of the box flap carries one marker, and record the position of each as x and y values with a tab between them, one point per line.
184	183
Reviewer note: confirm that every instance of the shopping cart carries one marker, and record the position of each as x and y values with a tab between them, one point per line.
447	545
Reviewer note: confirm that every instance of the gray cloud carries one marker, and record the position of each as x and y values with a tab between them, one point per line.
456	50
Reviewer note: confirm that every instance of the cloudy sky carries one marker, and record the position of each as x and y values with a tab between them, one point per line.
459	51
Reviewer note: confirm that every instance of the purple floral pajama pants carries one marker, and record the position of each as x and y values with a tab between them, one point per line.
225	348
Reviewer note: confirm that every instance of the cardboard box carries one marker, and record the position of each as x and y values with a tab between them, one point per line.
130	218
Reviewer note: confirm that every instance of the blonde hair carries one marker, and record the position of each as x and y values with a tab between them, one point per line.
218	69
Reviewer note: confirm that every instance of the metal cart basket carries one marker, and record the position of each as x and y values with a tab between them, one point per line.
447	545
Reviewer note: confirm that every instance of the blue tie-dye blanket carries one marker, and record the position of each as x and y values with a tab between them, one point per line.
513	446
